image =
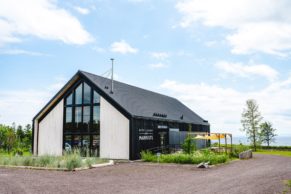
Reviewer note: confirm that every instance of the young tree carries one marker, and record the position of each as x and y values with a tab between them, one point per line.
251	118
10	139
189	145
267	134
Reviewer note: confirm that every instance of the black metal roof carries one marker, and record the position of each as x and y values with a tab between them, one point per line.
144	103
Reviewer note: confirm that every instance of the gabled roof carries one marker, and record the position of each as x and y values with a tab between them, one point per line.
144	103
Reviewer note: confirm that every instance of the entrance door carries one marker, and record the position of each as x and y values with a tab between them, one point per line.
162	138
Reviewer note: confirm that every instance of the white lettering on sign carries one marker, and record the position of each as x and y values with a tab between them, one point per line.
149	137
146	134
162	127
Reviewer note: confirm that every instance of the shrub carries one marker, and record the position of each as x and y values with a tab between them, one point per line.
44	161
73	160
182	158
189	145
28	161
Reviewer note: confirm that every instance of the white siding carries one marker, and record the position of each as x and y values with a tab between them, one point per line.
114	132
51	132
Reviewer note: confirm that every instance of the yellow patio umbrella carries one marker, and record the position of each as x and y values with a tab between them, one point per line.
199	137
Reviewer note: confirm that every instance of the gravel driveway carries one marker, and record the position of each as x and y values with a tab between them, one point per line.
263	174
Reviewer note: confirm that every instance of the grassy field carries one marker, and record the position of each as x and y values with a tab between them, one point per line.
274	152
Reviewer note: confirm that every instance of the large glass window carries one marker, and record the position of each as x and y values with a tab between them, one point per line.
78	94
82	120
86	118
78	117
87	94
96	118
96	98
69	100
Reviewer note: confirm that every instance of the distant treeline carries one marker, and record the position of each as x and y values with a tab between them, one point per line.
15	139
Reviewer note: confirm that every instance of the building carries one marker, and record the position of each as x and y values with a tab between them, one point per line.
111	122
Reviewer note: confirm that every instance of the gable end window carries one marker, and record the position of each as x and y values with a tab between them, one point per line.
82	120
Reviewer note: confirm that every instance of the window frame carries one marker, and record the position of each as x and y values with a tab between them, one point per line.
74	131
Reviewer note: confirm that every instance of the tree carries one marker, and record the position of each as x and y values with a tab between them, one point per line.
10	139
189	144
267	134
251	118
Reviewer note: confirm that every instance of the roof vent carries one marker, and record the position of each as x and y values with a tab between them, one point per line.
205	121
182	117
160	115
106	87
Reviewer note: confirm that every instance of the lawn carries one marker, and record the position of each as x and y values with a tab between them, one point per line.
274	152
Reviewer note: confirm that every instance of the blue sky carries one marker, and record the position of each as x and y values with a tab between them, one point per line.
212	55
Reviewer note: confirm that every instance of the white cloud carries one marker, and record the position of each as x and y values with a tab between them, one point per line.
157	65
247	70
82	10
262	25
39	18
160	55
22	52
123	47
20	106
223	106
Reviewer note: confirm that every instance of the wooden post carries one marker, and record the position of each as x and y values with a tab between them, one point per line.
230	142
219	143
225	143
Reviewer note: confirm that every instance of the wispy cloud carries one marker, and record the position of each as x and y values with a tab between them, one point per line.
254	26
82	10
42	19
247	70
123	47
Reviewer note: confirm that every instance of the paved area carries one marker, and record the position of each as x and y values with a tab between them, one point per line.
263	174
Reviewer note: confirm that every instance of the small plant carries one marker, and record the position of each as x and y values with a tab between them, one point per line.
189	145
287	187
73	160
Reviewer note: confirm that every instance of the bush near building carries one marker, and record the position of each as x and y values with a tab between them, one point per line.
181	158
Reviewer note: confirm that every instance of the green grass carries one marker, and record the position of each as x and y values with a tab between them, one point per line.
181	158
2	153
68	161
274	152
287	188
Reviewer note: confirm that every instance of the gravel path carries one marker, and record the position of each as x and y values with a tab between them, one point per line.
263	174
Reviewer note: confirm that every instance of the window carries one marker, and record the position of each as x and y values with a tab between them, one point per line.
86	118
96	98
96	118
82	120
78	94
69	117
87	94
69	100
78	117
